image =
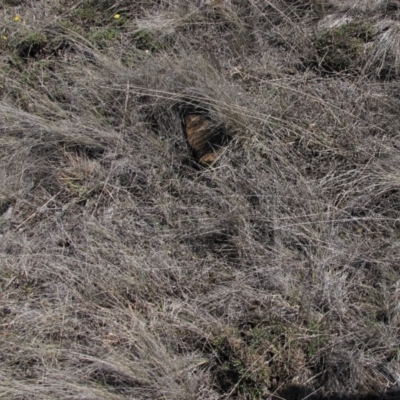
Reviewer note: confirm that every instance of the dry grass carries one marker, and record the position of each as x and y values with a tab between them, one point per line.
128	271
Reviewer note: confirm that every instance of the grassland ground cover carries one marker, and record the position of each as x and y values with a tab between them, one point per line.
128	271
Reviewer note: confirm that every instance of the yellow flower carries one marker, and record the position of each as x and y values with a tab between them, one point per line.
117	16
4	37
17	18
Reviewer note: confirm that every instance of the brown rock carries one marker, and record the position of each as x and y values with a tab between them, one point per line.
204	140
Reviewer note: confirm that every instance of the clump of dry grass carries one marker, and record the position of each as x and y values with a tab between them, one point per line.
130	271
385	58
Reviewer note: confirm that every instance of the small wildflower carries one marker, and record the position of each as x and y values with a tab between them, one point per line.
17	18
4	37
117	16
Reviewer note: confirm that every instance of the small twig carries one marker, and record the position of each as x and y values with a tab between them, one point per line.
36	212
125	105
10	282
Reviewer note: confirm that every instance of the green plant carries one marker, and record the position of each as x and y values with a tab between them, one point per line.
239	368
31	45
98	13
103	37
87	14
149	40
317	338
340	48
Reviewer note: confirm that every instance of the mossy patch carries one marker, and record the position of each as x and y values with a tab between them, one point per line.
316	338
66	27
150	40
32	45
88	13
341	48
253	360
95	13
239	370
104	37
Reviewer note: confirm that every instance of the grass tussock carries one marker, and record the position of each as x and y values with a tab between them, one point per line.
129	269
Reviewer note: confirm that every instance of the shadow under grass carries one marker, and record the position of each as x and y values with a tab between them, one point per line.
299	392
